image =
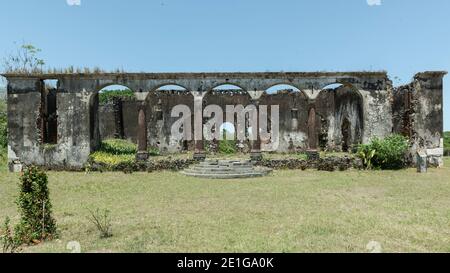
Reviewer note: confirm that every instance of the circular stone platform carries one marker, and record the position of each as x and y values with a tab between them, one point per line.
226	169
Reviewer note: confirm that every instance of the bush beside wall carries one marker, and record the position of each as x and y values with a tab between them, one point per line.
386	154
446	143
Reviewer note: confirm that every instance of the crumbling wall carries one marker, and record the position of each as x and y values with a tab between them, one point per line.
378	110
403	110
418	115
25	119
290	139
428	115
24	136
335	107
159	119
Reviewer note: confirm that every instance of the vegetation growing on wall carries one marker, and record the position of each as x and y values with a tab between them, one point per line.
108	95
24	60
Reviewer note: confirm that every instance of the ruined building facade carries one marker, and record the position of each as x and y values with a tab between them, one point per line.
59	127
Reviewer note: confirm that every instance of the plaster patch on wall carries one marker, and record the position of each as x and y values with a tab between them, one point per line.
11	154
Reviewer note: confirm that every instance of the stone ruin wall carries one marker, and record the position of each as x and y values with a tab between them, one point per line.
367	102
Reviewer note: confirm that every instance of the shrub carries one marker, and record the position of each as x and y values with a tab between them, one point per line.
10	244
386	154
35	208
153	151
227	146
447	143
111	159
102	220
118	147
366	153
3	157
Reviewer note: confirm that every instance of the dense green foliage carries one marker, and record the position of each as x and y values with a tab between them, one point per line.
36	222
447	143
111	159
114	152
386	154
118	147
227	146
9	242
108	95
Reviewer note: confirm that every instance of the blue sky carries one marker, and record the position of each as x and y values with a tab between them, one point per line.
400	36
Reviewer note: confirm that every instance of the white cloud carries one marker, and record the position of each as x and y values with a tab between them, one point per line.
73	2
374	2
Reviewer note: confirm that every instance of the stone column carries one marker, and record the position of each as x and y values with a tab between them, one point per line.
294	119
255	153
142	153
118	118
312	151
199	150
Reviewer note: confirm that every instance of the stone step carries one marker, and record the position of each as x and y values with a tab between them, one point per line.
225	169
195	168
219	171
225	176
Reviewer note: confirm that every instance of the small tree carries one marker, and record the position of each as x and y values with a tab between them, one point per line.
10	244
24	60
35	209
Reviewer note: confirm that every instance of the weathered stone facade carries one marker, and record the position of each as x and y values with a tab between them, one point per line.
61	127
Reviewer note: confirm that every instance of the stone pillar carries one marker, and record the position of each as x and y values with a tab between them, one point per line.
142	153
312	151
294	119
118	118
422	162
199	150
255	153
428	118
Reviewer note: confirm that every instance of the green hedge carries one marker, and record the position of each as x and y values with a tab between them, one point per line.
118	147
111	159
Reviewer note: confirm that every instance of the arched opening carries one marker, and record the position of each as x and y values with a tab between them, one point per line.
281	88
159	104
332	87
339	110
230	98
113	115
227	87
227	131
171	88
293	116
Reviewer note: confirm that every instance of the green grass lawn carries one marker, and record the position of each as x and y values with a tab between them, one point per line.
289	211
